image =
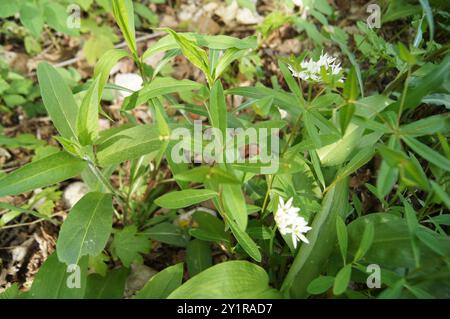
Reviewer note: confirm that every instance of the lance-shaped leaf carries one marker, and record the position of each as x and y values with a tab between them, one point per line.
184	198
86	229
311	257
428	153
158	87
87	120
124	14
245	240
214	42
58	100
105	64
129	144
57	281
195	54
218	108
46	171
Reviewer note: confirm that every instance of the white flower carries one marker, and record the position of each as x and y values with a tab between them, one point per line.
310	69
290	222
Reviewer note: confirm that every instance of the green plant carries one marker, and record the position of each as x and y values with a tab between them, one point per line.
296	230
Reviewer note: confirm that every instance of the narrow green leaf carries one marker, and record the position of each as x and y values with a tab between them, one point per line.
124	14
218	108
105	64
167	233
234	204
366	242
184	198
132	142
341	231
245	241
87	120
158	87
428	153
46	171
58	100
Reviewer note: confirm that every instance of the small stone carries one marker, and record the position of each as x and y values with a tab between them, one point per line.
137	279
73	193
131	81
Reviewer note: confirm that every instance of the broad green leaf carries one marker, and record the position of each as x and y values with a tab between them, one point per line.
234	204
428	153
228	280
342	280
124	14
110	286
184	198
158	87
162	284
310	258
198	256
428	84
46	171
320	285
8	8
86	229
337	152
167	233
55	280
405	55
31	18
13	291
58	100
129	143
210	228
87	120
128	244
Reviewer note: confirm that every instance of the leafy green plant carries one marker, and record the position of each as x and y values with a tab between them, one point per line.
297	231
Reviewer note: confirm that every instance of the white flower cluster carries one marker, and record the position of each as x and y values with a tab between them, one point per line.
310	69
290	222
